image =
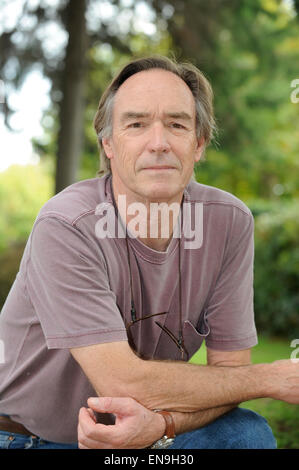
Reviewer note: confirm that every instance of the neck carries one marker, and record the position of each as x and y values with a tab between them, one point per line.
151	221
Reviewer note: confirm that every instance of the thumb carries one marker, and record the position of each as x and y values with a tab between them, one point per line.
115	405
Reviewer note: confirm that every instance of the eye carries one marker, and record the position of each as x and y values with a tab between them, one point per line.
177	125
136	125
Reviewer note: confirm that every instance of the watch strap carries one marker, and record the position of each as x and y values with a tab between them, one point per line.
170	426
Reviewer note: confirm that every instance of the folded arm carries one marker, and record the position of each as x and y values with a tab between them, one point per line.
138	427
196	395
114	370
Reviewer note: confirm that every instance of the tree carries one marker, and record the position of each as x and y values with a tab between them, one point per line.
249	51
72	104
21	48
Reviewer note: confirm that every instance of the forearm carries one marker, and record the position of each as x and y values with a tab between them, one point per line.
196	395
173	385
186	422
177	386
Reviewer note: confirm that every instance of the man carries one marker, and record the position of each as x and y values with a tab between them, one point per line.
103	309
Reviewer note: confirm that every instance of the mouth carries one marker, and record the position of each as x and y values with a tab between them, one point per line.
159	168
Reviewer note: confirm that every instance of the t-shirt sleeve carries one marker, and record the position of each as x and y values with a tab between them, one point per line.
68	286
230	311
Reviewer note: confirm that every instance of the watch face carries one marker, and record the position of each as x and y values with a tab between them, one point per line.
163	443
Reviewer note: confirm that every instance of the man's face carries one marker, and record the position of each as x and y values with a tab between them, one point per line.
154	144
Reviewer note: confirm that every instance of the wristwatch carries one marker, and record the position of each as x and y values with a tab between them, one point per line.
169	435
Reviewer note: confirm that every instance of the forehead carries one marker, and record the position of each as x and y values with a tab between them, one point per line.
152	89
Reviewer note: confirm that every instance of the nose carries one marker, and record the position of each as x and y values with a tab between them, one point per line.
158	142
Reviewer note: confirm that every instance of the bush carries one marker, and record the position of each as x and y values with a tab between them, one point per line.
23	191
9	267
277	269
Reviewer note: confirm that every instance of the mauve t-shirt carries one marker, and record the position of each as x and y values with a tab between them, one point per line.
73	289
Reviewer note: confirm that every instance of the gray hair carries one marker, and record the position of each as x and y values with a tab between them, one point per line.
191	75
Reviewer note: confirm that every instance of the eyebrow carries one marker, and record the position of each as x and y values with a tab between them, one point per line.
180	115
133	115
138	115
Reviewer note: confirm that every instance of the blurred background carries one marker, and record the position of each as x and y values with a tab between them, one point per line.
57	57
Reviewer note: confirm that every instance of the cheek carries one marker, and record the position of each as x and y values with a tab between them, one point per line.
129	150
126	157
185	149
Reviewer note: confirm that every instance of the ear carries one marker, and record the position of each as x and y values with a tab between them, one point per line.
199	150
107	146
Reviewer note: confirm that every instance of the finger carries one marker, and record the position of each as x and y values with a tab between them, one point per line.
87	420
91	414
116	405
82	446
86	442
89	431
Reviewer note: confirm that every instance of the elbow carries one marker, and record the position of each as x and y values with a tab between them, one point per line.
126	381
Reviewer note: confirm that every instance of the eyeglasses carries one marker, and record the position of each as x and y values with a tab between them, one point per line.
177	341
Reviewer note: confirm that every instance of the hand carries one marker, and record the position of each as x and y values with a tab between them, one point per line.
135	426
284	380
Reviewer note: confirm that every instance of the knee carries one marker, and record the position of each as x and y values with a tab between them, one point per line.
238	429
252	431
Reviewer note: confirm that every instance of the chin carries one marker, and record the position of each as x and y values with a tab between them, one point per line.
161	191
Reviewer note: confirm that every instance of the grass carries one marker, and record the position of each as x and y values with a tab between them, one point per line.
282	417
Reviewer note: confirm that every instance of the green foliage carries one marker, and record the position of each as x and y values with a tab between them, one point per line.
249	52
277	268
23	190
9	266
282	417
